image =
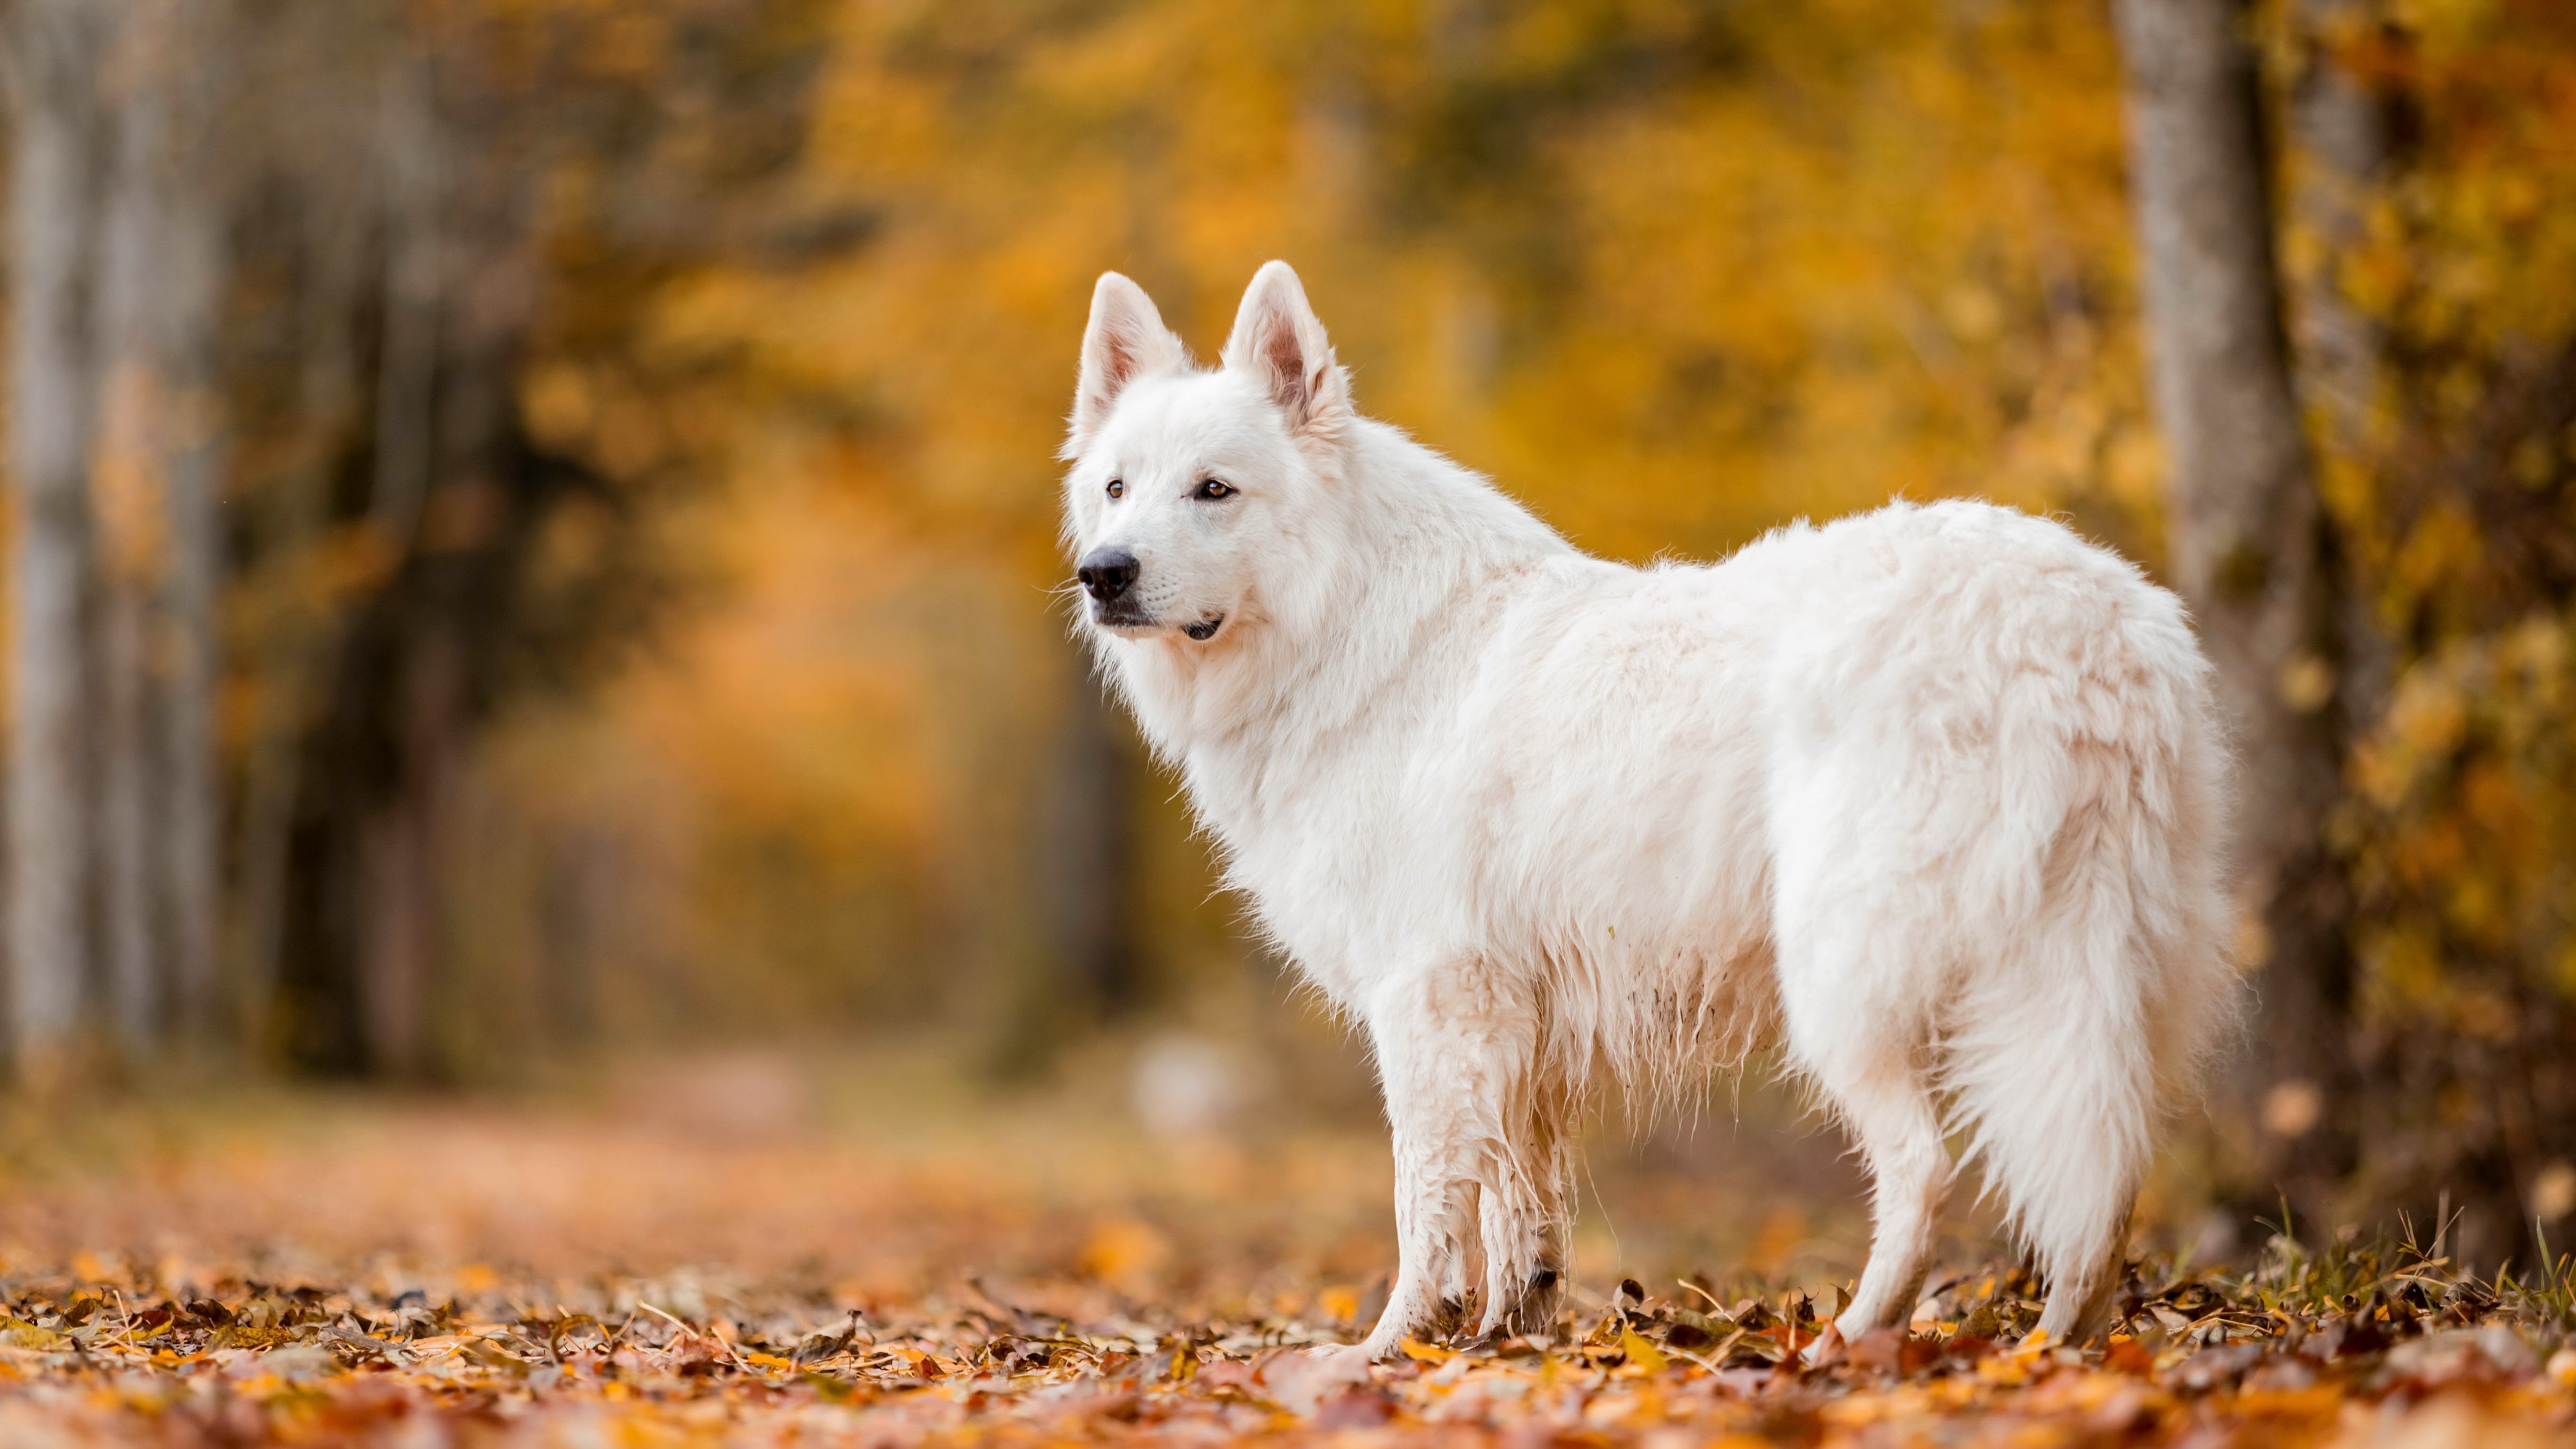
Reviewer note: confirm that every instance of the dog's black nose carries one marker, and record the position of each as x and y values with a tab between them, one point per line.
1106	573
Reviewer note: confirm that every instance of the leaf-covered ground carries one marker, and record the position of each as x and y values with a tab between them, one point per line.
418	1277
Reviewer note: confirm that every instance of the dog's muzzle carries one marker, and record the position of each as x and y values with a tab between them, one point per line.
1108	575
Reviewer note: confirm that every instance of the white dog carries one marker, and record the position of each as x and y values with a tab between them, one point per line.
1933	796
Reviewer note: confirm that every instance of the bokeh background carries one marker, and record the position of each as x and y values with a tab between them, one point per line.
533	550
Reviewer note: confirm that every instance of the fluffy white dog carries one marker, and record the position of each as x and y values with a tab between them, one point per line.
1932	796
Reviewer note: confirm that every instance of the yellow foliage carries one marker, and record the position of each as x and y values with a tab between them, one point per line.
1673	274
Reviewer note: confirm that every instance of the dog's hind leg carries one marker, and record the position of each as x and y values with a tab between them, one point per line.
1892	1116
1858	1025
2080	1305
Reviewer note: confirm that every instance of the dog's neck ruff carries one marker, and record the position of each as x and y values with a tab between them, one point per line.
1425	550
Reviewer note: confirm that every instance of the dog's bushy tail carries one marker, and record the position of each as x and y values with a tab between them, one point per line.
2113	985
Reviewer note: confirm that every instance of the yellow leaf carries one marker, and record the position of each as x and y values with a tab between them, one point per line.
18	1333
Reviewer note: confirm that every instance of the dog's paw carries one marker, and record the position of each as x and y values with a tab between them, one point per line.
1382	1349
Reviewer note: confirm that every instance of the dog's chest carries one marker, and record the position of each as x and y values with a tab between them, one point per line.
1332	852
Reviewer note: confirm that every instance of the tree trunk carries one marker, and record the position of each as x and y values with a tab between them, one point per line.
193	458
157	454
2249	548
407	369
127	777
398	943
2342	129
128	494
1088	858
57	47
397	940
2340	124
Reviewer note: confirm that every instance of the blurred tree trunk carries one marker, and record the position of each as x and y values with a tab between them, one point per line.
56	49
189	444
1089	856
407	363
192	452
2343	129
158	548
399	860
130	545
1079	961
398	936
2249	548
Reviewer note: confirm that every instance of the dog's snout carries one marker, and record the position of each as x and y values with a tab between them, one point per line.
1106	573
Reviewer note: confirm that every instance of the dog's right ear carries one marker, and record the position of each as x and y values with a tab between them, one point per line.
1126	340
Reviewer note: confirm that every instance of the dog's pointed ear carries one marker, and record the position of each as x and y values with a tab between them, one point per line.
1280	345
1125	341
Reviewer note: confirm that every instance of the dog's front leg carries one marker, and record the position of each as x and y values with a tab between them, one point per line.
1435	1210
1453	1064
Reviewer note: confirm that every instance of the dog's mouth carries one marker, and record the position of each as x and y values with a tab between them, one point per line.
1121	614
1122	617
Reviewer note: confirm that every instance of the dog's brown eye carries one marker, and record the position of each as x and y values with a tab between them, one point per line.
1117	487
1212	490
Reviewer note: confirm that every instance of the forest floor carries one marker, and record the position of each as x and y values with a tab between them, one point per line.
337	1271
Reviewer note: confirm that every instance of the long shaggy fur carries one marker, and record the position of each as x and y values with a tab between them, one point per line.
1931	797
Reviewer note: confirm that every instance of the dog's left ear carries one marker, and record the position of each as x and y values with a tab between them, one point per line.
1278	342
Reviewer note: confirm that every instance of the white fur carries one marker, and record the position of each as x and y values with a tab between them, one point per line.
1931	796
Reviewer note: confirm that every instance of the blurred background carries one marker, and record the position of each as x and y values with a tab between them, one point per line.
532	522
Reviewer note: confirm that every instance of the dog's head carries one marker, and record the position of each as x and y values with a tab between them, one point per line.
1194	494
